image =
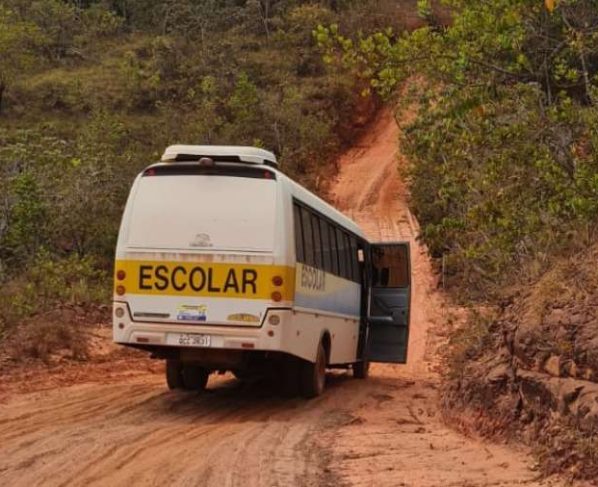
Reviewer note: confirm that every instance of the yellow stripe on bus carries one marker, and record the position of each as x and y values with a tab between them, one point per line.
216	280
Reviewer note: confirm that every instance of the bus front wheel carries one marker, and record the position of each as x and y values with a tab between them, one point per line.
313	375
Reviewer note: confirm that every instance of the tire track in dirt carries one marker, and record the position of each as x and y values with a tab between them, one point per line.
386	431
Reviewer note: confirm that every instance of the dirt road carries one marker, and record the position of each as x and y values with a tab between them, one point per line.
129	430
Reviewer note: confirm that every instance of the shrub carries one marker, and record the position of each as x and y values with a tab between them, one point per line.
49	281
504	148
41	340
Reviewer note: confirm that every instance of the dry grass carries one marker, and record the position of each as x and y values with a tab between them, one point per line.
570	280
467	342
45	340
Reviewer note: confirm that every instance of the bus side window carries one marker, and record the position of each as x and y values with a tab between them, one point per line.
334	250
308	238
315	225
326	246
299	247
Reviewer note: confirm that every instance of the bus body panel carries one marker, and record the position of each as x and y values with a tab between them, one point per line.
195	285
325	292
172	292
306	329
327	303
198	288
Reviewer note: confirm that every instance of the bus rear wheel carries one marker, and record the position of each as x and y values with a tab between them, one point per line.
174	374
290	376
313	375
195	377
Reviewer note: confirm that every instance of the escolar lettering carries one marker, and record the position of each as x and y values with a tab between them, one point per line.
312	278
198	279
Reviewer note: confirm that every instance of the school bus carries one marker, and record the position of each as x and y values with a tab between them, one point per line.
223	263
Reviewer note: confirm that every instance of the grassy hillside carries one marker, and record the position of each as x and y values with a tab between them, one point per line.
93	91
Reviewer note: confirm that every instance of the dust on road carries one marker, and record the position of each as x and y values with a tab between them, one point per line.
385	431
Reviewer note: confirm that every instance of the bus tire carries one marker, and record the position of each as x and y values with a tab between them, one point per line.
313	375
174	374
290	376
241	375
361	370
195	377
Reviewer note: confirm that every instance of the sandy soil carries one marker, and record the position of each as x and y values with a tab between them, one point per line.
122	427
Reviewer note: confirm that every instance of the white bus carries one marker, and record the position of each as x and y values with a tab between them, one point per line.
223	263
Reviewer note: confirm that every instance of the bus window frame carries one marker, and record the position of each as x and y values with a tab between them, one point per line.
308	239
317	239
326	245
334	249
342	254
298	229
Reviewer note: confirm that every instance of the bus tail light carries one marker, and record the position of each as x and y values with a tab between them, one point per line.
276	296
277	280
120	290
274	320
119	312
120	275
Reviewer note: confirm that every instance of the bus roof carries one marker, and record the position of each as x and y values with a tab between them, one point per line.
251	155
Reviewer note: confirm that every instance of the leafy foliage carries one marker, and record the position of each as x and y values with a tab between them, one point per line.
504	150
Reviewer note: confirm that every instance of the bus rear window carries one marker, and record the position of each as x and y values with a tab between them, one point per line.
224	213
216	170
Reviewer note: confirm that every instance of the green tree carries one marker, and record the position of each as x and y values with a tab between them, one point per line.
243	106
503	149
18	40
27	225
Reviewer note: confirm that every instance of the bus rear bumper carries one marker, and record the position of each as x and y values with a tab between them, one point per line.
150	335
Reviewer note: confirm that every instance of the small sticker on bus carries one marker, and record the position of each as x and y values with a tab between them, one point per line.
192	313
245	317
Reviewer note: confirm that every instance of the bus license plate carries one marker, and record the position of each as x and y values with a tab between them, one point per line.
189	339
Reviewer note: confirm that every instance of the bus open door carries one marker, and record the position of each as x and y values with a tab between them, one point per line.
389	302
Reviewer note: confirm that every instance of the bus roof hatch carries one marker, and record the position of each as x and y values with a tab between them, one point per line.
229	153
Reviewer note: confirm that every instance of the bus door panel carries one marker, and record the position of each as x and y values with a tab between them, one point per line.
390	299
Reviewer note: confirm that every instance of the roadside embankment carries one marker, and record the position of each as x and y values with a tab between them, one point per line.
532	371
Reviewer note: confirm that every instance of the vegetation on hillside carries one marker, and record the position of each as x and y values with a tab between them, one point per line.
504	149
504	181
